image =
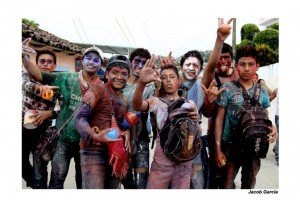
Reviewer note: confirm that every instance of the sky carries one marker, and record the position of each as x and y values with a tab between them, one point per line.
159	35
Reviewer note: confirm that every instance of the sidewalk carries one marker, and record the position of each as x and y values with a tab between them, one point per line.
267	178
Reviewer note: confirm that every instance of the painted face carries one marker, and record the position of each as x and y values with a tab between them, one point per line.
246	68
117	77
91	62
46	63
170	81
137	65
191	68
224	64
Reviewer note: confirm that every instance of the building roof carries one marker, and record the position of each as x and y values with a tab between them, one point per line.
41	38
110	49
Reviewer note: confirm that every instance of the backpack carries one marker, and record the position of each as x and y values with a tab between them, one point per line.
180	136
253	125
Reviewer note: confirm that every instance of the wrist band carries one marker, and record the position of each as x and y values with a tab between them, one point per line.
159	86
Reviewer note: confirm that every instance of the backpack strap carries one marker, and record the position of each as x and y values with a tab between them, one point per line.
184	88
153	120
218	81
247	100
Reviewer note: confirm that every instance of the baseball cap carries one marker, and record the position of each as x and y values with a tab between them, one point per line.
96	50
118	60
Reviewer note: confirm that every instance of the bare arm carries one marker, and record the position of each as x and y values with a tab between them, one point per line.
209	71
30	67
148	74
219	155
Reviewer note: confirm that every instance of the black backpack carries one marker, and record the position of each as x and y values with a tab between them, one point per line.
180	136
253	125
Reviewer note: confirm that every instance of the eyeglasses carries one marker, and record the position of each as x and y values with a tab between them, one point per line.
91	59
139	63
43	61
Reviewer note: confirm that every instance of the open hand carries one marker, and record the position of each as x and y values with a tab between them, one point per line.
25	47
149	72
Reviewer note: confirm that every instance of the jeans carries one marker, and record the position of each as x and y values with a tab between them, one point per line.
235	160
96	173
139	168
60	166
197	178
40	175
35	174
276	147
177	176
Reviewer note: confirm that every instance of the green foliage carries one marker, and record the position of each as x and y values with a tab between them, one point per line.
275	26
267	55
244	43
248	31
30	22
269	37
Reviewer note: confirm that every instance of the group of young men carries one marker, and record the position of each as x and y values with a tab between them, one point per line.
131	85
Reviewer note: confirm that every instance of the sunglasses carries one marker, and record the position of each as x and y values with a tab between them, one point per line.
43	61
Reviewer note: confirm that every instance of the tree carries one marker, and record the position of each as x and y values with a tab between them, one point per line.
269	36
248	31
30	22
275	26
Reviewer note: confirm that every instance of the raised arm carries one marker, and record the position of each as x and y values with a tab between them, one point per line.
148	74
30	67
222	33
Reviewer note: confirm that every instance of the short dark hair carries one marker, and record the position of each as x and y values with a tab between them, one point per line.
247	51
193	53
139	52
45	51
227	49
172	67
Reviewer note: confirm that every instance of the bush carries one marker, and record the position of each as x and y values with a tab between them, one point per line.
267	55
269	37
243	43
275	26
248	31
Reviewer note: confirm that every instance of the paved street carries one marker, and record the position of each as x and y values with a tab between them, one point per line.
267	178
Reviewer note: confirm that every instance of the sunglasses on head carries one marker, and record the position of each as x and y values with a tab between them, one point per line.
43	61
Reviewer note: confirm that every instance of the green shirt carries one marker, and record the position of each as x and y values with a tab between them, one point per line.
70	89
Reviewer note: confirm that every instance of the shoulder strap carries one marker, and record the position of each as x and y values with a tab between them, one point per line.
75	111
185	88
257	90
168	102
218	81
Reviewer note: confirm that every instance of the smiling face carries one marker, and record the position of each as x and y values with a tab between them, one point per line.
191	68
117	77
91	62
